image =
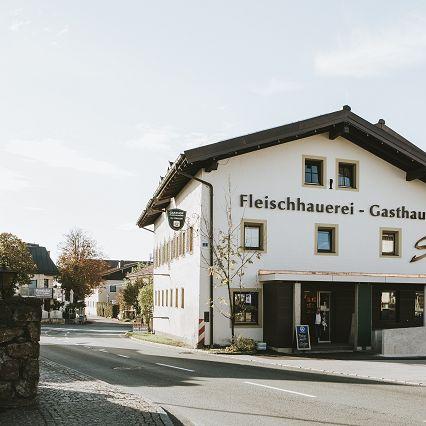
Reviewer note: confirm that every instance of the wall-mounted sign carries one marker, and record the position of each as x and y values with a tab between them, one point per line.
43	293
419	246
176	218
303	340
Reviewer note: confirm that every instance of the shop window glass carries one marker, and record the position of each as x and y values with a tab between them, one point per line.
313	172
347	175
388	305
246	306
419	305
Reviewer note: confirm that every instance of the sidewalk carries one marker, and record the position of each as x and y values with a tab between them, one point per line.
403	371
67	397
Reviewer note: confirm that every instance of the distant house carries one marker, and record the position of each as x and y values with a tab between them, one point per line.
113	280
46	274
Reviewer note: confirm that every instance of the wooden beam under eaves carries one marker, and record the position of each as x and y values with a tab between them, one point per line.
417	173
340	130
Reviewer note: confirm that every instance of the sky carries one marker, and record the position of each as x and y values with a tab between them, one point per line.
97	96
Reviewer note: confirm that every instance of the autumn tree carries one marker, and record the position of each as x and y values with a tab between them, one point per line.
128	295
15	256
80	264
146	301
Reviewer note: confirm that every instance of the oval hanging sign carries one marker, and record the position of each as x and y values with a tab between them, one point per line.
176	218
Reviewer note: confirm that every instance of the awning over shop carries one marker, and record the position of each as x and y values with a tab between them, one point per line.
265	275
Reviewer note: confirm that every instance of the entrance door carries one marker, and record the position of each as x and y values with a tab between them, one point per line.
324	304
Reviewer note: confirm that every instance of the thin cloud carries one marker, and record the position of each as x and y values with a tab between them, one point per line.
54	153
18	24
374	53
12	181
168	141
276	86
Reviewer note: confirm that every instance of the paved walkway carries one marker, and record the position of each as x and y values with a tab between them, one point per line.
405	371
67	397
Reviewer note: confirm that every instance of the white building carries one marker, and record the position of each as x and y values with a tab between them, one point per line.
113	281
336	207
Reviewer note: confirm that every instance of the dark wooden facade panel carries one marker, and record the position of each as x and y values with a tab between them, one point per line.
278	314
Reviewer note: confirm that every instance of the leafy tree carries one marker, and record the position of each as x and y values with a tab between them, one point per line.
80	264
128	295
146	302
15	256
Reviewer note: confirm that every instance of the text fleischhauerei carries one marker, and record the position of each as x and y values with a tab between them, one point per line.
296	204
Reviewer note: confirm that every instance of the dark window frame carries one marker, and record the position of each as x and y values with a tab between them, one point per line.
332	231
261	228
396	242
352	167
255	303
320	174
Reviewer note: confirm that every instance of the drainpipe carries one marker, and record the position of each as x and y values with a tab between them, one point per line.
210	186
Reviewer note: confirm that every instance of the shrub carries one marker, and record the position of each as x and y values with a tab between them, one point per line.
242	344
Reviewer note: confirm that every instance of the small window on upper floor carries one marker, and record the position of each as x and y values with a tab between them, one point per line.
390	242
347	174
326	239
313	171
254	235
112	288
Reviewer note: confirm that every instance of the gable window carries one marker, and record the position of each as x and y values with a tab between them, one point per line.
313	171
388	305
347	174
246	306
390	242
112	288
325	239
253	235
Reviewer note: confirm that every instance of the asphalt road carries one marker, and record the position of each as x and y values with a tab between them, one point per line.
205	389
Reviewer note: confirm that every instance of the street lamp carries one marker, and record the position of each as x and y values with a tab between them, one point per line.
6	279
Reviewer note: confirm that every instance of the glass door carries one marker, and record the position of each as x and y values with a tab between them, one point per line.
324	305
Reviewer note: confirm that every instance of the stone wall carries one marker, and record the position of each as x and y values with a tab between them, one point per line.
19	350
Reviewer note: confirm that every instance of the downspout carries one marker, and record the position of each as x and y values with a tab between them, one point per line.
210	186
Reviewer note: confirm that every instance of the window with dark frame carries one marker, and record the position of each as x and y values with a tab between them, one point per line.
390	243
253	236
246	306
326	240
313	172
388	305
347	175
112	288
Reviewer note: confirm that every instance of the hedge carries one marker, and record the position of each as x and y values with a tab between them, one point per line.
107	309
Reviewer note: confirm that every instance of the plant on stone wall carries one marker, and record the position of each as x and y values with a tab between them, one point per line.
230	262
15	256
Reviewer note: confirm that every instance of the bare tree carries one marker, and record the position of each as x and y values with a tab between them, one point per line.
230	262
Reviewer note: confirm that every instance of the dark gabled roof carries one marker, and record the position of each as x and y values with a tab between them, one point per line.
41	257
119	268
378	139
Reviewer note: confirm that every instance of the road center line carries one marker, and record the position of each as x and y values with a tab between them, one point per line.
172	366
282	390
122	356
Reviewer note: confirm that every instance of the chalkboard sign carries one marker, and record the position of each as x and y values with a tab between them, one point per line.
302	338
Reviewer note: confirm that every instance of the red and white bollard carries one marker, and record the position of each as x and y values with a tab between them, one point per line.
201	333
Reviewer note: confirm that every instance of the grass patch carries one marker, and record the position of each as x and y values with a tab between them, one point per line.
155	338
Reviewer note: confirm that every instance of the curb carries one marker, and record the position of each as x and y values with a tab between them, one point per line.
292	367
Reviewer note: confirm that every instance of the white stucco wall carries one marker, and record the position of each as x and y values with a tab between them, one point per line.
183	272
277	172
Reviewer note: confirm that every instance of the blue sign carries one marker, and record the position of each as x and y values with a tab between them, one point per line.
303	340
